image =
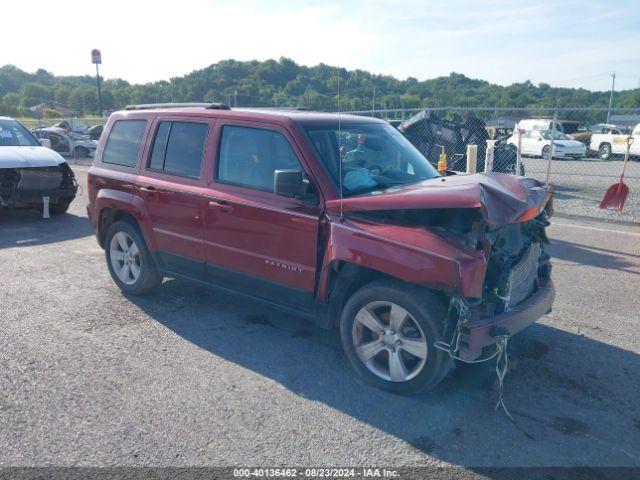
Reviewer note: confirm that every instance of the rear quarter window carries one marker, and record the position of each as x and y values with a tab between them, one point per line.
178	148
123	143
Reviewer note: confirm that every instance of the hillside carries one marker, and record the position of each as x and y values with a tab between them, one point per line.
285	83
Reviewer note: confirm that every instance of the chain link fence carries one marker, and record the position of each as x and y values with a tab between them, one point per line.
587	156
583	160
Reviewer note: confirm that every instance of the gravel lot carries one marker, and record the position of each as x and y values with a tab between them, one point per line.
581	184
188	376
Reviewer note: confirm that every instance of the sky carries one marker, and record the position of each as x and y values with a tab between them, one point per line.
567	43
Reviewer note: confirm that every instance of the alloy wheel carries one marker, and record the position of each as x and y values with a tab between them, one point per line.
125	258
389	341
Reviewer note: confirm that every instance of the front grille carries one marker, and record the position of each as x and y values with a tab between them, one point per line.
40	178
523	277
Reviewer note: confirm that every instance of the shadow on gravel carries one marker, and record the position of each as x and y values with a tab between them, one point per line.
594	256
566	392
25	228
564	192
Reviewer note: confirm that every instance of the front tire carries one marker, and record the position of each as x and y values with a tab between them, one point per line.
388	330
604	152
129	261
59	208
546	151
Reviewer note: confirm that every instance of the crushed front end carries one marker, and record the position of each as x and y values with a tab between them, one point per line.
26	187
517	290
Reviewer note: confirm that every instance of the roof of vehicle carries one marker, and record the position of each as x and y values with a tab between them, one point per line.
253	113
50	129
549	119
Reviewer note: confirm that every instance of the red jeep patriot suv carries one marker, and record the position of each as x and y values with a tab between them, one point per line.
334	217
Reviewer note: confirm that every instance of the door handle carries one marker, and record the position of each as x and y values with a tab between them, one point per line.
149	189
223	207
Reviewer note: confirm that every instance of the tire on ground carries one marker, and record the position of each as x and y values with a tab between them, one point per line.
546	151
59	208
604	151
425	307
150	277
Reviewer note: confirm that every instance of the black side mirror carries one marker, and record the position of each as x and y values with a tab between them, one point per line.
290	183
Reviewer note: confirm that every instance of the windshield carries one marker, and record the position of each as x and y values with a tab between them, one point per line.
13	134
374	156
546	134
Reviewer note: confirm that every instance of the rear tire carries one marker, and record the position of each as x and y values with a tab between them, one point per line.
129	261
388	329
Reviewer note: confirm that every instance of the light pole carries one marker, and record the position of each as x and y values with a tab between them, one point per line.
96	57
373	102
613	83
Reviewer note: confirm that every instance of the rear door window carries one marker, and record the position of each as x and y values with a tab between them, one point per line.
124	142
178	148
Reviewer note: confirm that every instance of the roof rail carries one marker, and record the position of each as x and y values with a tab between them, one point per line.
149	106
302	109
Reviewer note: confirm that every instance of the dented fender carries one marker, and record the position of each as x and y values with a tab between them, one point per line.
412	254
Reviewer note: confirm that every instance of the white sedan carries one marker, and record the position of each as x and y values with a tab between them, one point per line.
538	143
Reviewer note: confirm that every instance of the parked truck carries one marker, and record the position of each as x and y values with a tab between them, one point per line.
613	141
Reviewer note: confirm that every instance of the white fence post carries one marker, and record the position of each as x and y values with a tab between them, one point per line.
472	158
519	152
488	160
45	207
551	147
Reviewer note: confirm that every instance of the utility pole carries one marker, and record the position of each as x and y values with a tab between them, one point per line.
96	57
373	103
235	98
613	83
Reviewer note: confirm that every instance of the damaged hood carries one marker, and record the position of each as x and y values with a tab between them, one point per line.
26	157
502	198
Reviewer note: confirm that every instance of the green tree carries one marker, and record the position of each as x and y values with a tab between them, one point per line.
61	94
76	101
90	101
12	99
283	82
33	93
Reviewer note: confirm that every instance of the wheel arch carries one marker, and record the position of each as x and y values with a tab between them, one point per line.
345	278
113	206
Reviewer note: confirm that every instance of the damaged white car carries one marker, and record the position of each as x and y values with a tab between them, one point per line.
67	143
31	175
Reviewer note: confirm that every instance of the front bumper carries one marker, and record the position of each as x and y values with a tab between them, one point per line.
479	333
571	155
18	197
